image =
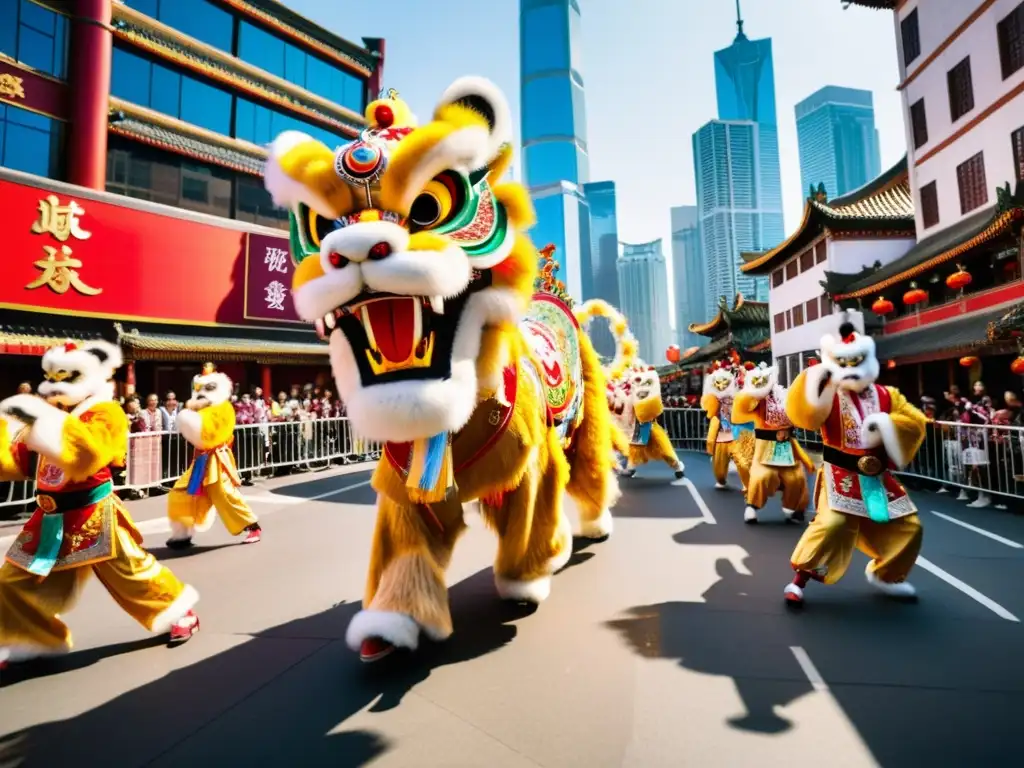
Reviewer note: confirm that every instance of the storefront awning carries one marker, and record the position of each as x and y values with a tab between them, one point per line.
16	340
139	345
947	339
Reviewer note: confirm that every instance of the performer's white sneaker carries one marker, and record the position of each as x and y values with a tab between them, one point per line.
902	590
721	486
982	502
963	495
793	594
749	515
793	515
680	470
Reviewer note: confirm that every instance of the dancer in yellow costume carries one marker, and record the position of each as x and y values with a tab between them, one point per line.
69	438
724	445
412	260
868	430
212	481
779	460
648	440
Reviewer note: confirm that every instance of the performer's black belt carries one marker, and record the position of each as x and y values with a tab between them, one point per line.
871	464
65	501
782	435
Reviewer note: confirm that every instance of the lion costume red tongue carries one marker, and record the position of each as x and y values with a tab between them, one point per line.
393	322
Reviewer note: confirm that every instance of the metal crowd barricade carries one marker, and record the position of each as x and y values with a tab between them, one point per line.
980	458
159	458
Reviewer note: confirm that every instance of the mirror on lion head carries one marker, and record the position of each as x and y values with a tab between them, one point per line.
408	246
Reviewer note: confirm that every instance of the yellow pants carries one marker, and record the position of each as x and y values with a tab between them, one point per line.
765	482
827	545
31	606
721	455
192	512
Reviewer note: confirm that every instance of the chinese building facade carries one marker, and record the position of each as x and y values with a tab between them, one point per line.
132	142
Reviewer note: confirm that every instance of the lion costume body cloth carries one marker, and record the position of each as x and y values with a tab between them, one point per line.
724	445
413	263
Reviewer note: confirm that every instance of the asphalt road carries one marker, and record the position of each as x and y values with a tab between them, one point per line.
667	645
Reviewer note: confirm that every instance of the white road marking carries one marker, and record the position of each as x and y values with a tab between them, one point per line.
811	671
967	589
161	525
980	531
705	512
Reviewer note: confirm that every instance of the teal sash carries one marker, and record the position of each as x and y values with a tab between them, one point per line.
51	528
876	498
782	453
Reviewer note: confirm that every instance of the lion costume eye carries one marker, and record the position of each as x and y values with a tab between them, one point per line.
443	198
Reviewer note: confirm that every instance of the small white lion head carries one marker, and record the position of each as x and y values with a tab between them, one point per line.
209	388
73	373
851	358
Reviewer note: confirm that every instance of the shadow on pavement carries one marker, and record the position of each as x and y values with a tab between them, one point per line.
215	713
58	665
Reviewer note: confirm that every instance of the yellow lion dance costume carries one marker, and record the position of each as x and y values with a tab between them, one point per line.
724	445
413	262
68	438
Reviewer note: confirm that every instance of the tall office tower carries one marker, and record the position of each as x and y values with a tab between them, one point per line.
688	274
736	166
600	271
554	131
643	287
838	141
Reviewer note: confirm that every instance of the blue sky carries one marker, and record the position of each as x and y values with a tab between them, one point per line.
648	69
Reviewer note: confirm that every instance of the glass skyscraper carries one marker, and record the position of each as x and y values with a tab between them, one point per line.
600	273
554	132
688	274
643	285
737	170
838	140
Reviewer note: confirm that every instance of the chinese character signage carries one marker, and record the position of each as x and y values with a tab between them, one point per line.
74	251
26	88
268	280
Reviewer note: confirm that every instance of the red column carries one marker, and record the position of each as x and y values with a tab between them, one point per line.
89	81
267	383
129	372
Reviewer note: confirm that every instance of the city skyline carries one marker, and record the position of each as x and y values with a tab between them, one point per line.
643	296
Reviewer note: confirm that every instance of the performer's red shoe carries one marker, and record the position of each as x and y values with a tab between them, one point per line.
375	649
184	628
253	534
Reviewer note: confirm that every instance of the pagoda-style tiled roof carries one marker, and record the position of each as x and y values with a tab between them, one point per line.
951	243
743	313
889	5
264	348
157	130
1009	325
164	42
949	338
884	204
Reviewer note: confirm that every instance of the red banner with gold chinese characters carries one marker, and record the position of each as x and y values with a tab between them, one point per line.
72	254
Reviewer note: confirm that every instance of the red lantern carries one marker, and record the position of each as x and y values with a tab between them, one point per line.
890	364
812	361
883	306
967	362
959	279
1017	366
915	295
672	354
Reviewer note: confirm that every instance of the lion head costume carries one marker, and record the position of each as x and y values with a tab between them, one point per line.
413	263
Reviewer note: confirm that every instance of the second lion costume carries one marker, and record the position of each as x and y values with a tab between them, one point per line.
211	482
868	430
724	445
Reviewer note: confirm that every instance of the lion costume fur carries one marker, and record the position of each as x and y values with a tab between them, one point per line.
419	273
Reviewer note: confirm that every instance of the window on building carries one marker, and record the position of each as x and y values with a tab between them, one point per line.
813	309
791	270
34	35
778	278
780	322
820	252
929	205
1010	32
919	123
798	315
911	38
789	319
548	162
260	125
961	90
253	204
30	142
970	177
328	80
807	260
545	39
1017	140
826	305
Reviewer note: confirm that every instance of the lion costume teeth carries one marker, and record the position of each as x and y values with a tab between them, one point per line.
413	264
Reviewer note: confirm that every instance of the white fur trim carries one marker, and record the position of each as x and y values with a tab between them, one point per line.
533	591
16	653
599	528
902	589
321	295
45	437
565	534
170	615
207	523
488	91
878	429
190	424
465	149
812	383
400	630
420	273
285	191
180	531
